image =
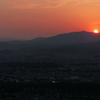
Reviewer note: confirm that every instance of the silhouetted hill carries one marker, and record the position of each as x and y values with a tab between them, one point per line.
25	43
36	39
7	39
67	39
72	38
15	41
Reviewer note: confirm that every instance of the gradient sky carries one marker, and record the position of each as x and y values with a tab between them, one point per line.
28	19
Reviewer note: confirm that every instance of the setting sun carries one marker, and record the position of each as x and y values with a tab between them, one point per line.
96	31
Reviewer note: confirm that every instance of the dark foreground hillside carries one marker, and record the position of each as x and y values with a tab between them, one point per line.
49	91
50	81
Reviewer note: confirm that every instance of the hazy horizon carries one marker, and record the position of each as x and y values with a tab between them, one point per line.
41	36
27	19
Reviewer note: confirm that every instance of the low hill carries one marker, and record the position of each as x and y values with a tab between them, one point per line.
41	43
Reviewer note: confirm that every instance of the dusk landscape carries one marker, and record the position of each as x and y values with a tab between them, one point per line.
49	49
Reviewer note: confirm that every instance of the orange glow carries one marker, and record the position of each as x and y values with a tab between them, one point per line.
96	31
28	19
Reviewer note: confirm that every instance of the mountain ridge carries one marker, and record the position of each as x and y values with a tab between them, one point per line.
57	40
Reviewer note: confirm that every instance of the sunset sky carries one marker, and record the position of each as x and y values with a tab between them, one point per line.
28	19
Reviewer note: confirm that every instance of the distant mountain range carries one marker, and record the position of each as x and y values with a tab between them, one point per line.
71	38
7	39
67	41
